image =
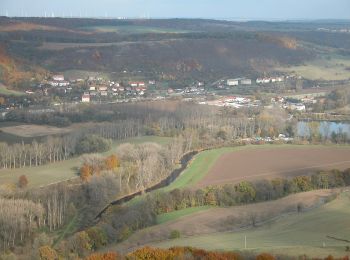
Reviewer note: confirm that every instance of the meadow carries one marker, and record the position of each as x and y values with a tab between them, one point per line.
296	234
322	69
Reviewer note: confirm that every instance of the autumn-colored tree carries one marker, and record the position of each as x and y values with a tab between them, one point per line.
148	253
98	237
81	243
85	172
105	256
112	162
47	253
2	100
265	256
210	199
22	181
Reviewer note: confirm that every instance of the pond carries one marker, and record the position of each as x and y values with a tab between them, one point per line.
325	128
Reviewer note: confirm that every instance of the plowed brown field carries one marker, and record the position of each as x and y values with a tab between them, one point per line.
253	164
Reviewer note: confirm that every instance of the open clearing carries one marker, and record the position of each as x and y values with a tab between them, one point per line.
323	69
294	234
34	130
279	226
65	170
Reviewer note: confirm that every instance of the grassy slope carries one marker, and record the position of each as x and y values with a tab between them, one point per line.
60	171
325	69
293	235
179	213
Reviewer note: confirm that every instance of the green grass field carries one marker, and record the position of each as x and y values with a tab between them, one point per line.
179	213
293	235
65	170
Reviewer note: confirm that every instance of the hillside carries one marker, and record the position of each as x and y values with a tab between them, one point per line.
15	73
161	49
279	236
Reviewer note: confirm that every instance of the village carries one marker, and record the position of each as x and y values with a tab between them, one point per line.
221	93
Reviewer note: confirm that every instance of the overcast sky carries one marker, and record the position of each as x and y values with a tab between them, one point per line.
234	9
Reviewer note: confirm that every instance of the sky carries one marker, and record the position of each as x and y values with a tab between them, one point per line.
218	9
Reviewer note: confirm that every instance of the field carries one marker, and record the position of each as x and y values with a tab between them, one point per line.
322	69
293	234
229	165
272	162
65	170
171	216
34	130
131	29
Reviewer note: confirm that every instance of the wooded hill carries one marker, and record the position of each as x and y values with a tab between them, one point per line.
177	49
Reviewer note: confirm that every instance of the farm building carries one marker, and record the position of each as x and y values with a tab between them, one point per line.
232	82
246	81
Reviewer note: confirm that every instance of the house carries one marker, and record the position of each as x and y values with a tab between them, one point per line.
296	107
137	84
259	80
58	77
63	83
102	88
55	83
266	80
104	93
232	82
92	88
85	98
246	81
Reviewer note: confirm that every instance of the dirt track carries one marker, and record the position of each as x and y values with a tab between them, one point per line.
275	162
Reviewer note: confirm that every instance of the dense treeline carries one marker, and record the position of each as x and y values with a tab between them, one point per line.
51	150
18	220
248	192
22	214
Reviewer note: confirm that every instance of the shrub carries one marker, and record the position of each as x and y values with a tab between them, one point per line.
265	256
22	181
174	234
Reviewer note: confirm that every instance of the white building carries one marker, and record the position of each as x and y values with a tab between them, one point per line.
246	81
232	82
58	77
